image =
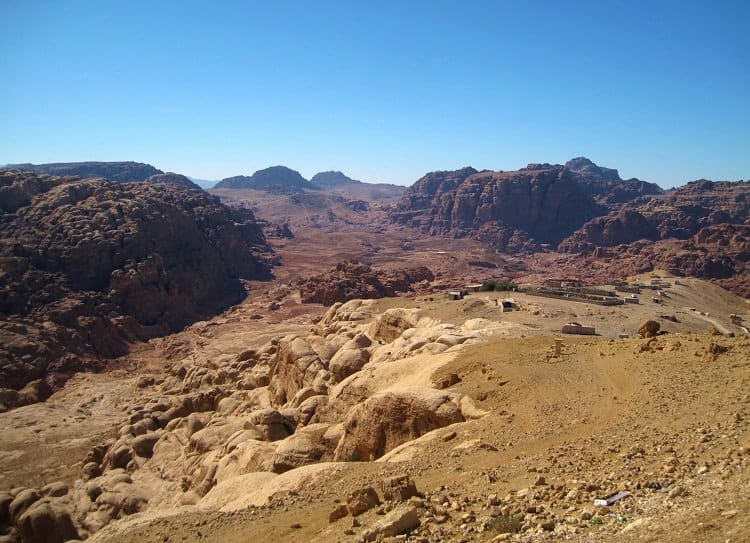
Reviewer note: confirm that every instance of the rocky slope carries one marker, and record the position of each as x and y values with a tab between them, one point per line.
114	171
370	420
511	211
89	265
274	179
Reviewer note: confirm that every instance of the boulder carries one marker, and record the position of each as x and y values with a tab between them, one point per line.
392	323
347	362
361	500
649	329
295	366
143	445
247	457
388	419
213	436
401	520
54	490
21	502
398	488
46	523
306	446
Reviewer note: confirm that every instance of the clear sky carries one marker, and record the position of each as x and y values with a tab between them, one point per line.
384	91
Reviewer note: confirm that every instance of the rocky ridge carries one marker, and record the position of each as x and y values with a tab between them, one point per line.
114	171
170	178
332	178
90	265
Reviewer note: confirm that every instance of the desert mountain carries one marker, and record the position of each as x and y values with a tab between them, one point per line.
511	211
332	178
89	265
114	171
274	179
421	417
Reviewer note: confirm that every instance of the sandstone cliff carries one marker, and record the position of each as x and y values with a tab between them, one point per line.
511	211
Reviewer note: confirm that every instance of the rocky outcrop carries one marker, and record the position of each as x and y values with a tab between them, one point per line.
351	279
388	419
510	211
273	179
93	265
113	171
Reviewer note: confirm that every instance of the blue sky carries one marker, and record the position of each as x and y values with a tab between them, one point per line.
384	91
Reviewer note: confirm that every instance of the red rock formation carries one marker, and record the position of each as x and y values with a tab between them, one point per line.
511	211
352	279
88	265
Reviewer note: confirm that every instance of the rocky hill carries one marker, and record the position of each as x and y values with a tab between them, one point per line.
88	265
511	211
274	179
114	171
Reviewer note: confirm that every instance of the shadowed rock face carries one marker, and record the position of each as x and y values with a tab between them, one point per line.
88	265
114	171
511	211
